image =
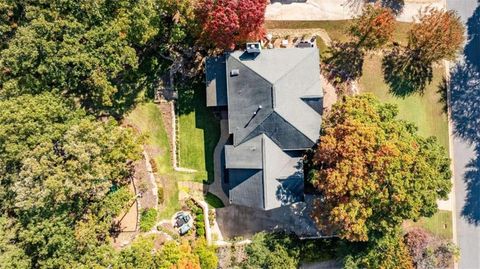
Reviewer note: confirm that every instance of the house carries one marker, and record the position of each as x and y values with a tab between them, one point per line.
274	102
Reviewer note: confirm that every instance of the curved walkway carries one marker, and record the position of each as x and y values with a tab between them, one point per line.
216	187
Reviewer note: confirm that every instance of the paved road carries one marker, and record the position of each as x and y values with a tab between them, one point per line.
465	114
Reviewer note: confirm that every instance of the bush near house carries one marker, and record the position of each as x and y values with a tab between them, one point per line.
148	219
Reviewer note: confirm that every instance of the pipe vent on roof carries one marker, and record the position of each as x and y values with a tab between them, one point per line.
234	72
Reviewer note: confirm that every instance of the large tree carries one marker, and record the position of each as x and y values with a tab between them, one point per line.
101	52
226	23
375	171
438	35
387	252
373	28
62	178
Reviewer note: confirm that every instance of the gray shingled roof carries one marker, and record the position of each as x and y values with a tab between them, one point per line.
276	80
216	81
278	180
275	103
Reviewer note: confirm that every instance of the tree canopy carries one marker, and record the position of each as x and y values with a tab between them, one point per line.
61	181
438	35
375	171
226	23
100	52
373	28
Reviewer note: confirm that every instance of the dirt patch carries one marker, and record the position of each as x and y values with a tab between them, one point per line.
127	223
167	118
144	186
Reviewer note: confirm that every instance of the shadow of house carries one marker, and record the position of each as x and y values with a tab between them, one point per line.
465	113
192	98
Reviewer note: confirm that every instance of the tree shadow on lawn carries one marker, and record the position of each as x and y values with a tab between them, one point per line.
404	73
465	106
192	98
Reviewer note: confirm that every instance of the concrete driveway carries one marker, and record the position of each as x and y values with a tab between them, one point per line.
242	221
338	9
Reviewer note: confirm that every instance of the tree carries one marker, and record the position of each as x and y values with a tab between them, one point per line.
222	23
375	171
429	252
267	251
374	28
417	241
251	17
387	252
62	180
226	23
439	35
101	52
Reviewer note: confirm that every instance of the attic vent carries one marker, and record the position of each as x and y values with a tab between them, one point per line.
254	47
234	72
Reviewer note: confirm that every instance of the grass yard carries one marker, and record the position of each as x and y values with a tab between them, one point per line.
426	110
198	132
213	200
147	119
439	224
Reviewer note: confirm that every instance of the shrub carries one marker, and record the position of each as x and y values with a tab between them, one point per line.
161	196
148	219
153	164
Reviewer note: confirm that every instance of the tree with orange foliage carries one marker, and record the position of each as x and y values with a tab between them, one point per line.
439	35
374	28
375	171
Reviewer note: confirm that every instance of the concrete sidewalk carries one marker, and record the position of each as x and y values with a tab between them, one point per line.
311	10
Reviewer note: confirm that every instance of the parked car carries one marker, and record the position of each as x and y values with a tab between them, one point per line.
181	218
184	229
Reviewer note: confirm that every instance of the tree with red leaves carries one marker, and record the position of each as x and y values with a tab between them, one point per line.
226	23
251	15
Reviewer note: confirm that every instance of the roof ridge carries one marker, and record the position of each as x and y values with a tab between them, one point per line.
276	112
293	67
252	70
264	173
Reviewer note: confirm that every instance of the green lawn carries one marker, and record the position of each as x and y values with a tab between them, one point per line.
439	224
147	119
213	200
198	132
424	110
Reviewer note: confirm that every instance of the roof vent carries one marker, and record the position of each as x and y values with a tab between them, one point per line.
254	47
234	72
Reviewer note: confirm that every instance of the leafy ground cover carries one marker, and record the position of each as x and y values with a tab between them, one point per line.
198	131
148	219
213	200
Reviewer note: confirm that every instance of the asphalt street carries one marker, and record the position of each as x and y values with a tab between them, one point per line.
465	104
